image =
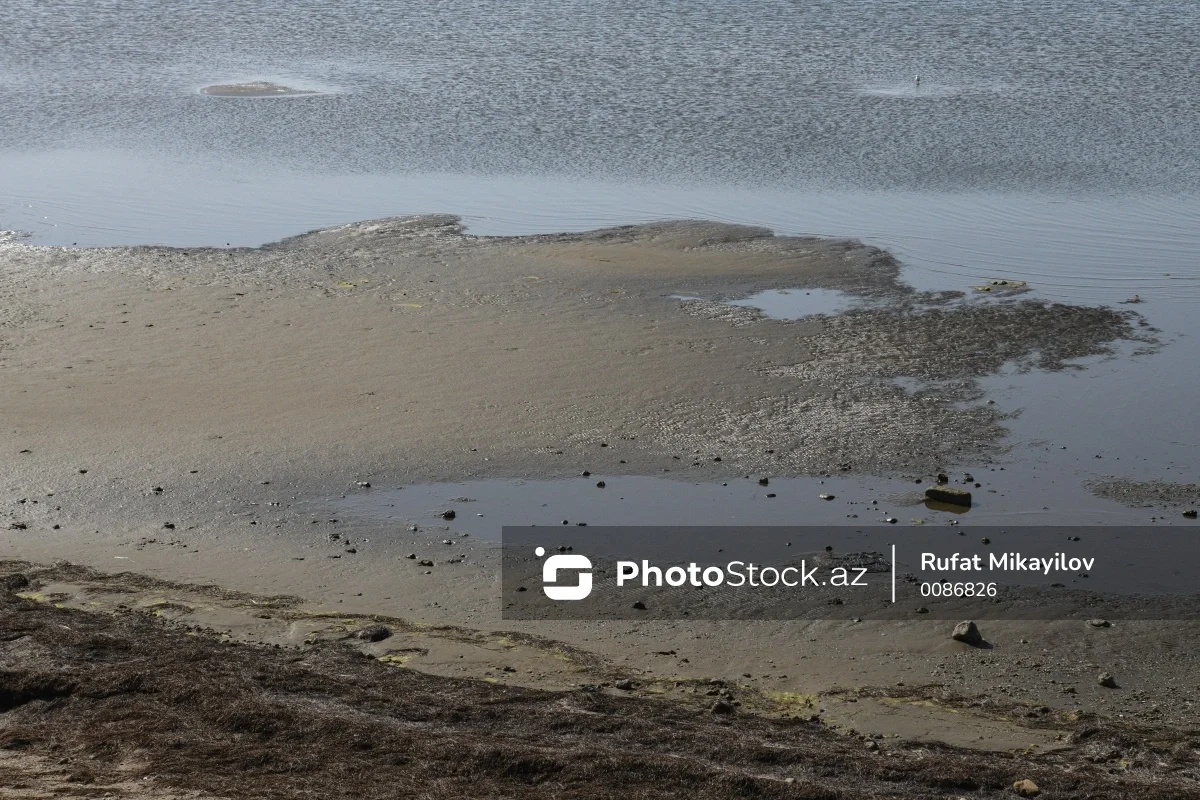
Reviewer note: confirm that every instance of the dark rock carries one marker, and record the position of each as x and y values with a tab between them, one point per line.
424	563
827	496
411	555
624	685
922	610
721	707
949	494
14	583
639	605
599	484
763	481
1190	513
449	514
373	633
1106	680
169	526
1099	623
967	632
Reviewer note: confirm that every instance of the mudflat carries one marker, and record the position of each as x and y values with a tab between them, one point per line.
180	422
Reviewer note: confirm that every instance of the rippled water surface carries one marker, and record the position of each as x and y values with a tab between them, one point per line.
1017	95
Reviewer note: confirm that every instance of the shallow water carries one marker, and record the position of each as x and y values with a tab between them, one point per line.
1030	496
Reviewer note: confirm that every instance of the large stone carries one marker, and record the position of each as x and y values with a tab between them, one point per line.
967	632
949	494
1026	788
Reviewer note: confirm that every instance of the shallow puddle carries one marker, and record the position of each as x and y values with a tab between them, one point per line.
1031	496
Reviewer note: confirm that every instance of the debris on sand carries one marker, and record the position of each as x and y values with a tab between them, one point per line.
967	632
722	707
373	633
1099	623
949	494
1107	680
625	685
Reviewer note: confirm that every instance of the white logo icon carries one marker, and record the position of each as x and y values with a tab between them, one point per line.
550	575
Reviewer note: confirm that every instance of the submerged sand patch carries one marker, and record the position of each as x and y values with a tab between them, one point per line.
254	89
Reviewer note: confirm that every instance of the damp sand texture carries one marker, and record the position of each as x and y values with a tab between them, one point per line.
410	345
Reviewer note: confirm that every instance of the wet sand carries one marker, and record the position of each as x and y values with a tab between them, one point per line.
196	415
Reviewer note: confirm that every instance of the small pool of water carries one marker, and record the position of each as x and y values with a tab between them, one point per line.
1034	495
800	303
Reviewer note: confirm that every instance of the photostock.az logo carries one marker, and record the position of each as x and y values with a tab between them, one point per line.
550	575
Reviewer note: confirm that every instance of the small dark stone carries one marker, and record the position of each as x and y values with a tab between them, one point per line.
985	540
411	555
770	494
599	484
624	685
763	481
449	514
169	526
922	610
949	494
639	605
1107	680
424	563
522	589
721	707
1190	513
18	526
585	473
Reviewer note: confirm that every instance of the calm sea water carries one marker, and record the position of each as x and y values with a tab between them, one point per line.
1054	142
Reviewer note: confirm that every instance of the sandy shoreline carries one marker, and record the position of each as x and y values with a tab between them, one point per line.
234	394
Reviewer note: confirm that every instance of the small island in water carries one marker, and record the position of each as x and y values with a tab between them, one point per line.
253	89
